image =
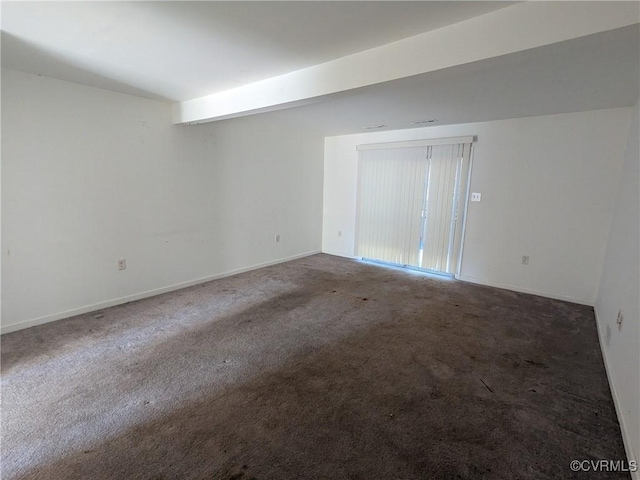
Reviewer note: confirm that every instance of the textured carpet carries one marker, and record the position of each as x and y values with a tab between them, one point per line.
320	368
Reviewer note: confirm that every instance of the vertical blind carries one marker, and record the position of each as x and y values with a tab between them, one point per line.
410	203
390	201
446	188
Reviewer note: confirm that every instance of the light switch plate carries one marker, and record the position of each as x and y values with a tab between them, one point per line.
475	197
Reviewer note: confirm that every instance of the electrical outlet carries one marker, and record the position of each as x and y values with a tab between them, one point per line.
122	264
620	319
278	238
475	197
525	260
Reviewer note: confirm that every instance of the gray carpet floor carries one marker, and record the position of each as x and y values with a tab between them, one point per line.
320	368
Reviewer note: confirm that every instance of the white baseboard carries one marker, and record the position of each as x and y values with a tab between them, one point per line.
631	454
340	254
138	296
580	301
479	281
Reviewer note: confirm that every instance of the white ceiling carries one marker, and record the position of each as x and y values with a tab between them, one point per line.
589	73
182	50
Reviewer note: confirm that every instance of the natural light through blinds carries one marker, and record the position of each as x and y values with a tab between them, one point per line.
443	207
390	192
411	198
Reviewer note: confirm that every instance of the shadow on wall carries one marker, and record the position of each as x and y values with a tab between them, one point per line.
296	372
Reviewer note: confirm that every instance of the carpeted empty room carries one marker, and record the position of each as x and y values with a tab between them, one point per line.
321	367
319	240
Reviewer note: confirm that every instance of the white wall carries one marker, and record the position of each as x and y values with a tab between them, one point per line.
548	186
91	176
619	290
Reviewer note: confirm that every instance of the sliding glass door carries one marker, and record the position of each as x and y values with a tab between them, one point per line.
411	200
391	201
